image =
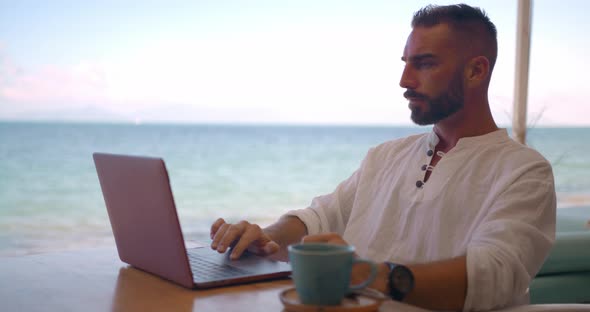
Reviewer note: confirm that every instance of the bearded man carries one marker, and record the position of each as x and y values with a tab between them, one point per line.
461	217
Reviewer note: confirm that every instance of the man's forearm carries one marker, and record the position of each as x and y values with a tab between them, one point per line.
287	230
437	286
440	285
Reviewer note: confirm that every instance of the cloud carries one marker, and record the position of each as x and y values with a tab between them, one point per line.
8	69
292	74
81	83
326	75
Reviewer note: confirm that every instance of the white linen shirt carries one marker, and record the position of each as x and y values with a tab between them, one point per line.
489	198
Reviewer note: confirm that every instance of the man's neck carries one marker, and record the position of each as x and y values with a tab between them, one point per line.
462	125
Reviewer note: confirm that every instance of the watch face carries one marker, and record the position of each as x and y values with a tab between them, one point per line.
403	279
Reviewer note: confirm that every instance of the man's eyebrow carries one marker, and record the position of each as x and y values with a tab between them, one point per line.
419	57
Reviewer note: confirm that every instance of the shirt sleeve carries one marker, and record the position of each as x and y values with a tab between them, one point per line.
510	245
330	213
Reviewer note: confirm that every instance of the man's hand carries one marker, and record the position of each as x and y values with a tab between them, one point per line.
241	236
331	238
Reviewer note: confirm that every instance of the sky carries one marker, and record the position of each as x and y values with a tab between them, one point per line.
276	61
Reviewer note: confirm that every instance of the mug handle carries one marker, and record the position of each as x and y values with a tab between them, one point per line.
371	276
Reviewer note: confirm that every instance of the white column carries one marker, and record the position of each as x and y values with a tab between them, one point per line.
521	77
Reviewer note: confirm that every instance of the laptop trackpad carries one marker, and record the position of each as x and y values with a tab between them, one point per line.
248	262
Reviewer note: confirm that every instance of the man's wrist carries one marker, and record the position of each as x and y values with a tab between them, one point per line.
382	280
400	281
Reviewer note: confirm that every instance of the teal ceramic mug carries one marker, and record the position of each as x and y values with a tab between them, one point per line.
321	272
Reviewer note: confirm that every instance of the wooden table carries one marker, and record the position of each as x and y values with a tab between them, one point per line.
96	280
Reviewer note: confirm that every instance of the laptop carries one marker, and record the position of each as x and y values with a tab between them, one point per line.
147	232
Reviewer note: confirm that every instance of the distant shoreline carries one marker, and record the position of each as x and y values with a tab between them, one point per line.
203	123
249	124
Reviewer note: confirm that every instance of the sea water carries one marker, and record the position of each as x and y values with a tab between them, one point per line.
50	198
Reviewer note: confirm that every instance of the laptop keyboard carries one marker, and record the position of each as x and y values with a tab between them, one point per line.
207	269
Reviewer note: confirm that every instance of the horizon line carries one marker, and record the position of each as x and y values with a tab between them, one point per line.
252	123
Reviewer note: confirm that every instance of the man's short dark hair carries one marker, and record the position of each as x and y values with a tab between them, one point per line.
471	22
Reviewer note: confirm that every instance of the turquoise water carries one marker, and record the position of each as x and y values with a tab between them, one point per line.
50	197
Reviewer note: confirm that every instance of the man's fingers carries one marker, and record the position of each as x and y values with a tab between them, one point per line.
271	248
215	227
252	234
332	238
240	237
219	235
233	233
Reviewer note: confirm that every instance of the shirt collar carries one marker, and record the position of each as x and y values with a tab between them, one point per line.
497	136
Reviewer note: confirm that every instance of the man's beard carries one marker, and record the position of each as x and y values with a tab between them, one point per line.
439	107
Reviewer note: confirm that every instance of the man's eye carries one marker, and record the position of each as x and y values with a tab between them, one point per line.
424	65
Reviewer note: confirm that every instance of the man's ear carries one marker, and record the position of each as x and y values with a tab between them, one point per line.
477	70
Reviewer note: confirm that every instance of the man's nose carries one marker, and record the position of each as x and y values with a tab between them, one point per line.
408	81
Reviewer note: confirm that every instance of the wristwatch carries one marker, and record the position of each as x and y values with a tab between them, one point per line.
401	281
